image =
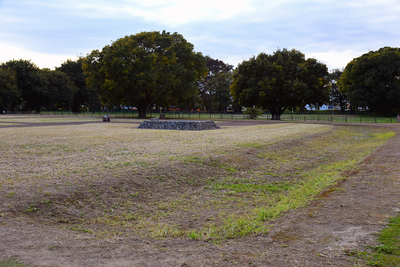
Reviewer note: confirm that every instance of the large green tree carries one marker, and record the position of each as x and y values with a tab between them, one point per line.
280	81
146	69
31	82
9	93
373	81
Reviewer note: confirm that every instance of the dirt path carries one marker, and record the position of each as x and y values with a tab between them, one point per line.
343	218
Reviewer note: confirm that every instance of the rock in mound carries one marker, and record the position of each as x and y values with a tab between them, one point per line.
179	125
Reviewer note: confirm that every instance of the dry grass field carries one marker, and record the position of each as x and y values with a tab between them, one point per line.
112	182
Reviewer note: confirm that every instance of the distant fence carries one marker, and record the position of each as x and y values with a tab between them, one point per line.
284	117
221	116
338	118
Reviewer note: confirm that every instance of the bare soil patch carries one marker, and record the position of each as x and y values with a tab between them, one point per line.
346	216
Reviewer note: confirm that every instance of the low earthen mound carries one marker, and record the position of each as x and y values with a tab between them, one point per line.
178	125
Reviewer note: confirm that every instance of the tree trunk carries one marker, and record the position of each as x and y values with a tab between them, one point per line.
276	117
142	113
276	112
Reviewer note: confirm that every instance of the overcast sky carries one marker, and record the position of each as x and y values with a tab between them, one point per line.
49	32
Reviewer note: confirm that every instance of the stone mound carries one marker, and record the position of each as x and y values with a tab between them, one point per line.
178	125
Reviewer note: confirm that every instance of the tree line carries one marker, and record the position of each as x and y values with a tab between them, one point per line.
160	69
24	86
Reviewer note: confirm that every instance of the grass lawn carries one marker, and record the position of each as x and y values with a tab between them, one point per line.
111	180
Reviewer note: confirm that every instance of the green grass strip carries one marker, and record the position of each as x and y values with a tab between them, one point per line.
314	182
387	253
11	263
248	187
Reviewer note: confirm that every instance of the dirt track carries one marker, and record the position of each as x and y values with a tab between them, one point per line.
343	218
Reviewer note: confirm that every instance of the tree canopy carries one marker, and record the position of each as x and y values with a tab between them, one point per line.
372	81
146	69
280	81
31	83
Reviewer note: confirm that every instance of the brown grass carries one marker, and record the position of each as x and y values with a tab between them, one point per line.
115	179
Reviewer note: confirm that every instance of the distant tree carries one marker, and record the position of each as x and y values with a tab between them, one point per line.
336	97
252	112
60	90
9	93
373	81
31	82
219	90
146	69
83	96
217	66
280	81
214	89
